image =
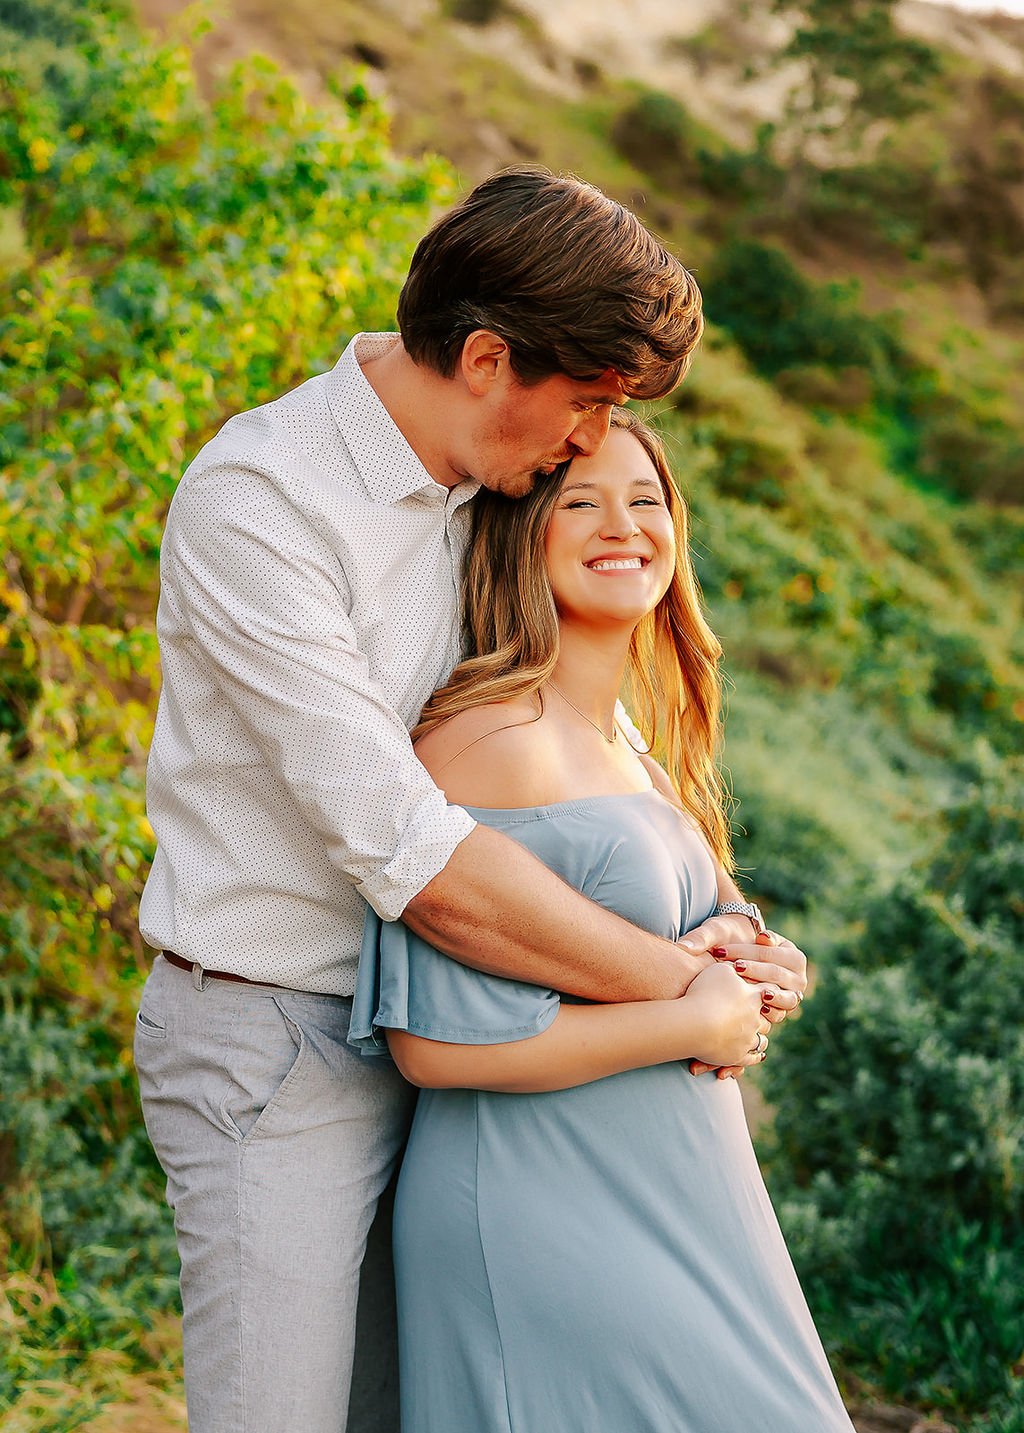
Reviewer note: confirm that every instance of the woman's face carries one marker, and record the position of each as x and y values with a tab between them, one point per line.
610	544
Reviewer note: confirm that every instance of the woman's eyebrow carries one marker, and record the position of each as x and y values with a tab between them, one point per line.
593	487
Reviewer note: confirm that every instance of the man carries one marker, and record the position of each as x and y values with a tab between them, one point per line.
309	606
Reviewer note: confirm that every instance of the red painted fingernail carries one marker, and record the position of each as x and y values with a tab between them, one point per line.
740	965
719	951
764	1054
767	997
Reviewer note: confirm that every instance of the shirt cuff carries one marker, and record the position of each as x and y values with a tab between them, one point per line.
428	843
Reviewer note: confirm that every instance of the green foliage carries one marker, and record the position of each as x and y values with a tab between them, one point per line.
44	35
902	1179
795	856
782	321
475	12
82	1200
194	260
822	350
654	133
185	259
657	134
860	67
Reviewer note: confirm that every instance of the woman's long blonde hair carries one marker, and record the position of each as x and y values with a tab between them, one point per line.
673	686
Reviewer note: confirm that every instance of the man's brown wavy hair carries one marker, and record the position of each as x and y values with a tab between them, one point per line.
571	280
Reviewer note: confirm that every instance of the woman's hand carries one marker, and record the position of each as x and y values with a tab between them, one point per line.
784	974
784	969
734	1031
783	978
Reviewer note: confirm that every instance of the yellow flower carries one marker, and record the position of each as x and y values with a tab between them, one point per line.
40	152
12	597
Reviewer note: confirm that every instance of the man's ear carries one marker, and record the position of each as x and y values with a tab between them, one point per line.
484	362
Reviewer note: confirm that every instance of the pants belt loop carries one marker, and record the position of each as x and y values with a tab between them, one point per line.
199	977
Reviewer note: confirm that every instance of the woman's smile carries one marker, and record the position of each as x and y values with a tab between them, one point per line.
611	521
617	564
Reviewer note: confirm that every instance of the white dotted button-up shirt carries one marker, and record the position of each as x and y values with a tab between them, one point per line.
309	605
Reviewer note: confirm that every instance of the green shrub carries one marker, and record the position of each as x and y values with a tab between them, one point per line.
843	390
879	207
654	134
899	1128
994	537
971	458
746	466
82	1196
788	856
782	321
475	12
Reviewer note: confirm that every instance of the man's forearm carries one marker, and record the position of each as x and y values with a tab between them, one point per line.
498	908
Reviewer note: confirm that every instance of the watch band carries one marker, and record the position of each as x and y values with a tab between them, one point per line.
742	908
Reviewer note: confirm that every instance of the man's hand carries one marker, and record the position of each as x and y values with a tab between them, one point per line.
783	977
718	931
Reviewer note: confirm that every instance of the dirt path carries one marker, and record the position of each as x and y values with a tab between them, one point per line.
164	1412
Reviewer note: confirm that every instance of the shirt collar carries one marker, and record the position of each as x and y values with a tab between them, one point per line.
389	468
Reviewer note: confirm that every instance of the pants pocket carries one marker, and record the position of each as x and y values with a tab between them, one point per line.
148	1026
264	1067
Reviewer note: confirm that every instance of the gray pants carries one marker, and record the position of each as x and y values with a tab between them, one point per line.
277	1140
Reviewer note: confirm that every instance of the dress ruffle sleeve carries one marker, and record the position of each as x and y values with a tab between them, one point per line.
405	984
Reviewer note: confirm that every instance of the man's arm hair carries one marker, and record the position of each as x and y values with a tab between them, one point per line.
498	908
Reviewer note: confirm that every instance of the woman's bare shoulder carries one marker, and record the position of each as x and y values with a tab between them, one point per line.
661	782
489	755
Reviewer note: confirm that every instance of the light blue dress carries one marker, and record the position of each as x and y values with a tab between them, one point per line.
603	1259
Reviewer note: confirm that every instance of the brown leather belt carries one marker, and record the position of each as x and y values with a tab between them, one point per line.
183	964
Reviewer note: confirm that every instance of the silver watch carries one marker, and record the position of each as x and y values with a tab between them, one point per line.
742	908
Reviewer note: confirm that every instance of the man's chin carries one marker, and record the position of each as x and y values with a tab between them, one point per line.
517	485
514	485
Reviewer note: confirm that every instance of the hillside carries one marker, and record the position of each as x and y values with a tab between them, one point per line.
851	195
827	482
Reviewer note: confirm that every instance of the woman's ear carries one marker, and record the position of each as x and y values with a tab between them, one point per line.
485	361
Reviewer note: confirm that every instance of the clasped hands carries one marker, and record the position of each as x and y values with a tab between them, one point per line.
783	977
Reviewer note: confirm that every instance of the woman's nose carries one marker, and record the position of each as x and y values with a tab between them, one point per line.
619	523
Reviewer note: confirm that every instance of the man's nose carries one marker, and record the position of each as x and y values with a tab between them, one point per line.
590	432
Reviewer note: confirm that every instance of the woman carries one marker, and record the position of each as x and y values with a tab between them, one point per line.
583	1242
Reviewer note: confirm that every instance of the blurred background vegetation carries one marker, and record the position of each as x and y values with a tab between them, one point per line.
187	230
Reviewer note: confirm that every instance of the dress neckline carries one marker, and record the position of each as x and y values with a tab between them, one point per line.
553	808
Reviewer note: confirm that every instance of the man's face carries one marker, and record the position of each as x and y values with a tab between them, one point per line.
526	431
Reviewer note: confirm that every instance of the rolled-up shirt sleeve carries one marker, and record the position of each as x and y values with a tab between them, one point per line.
263	599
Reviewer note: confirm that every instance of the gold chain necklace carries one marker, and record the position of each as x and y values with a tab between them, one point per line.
609	739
